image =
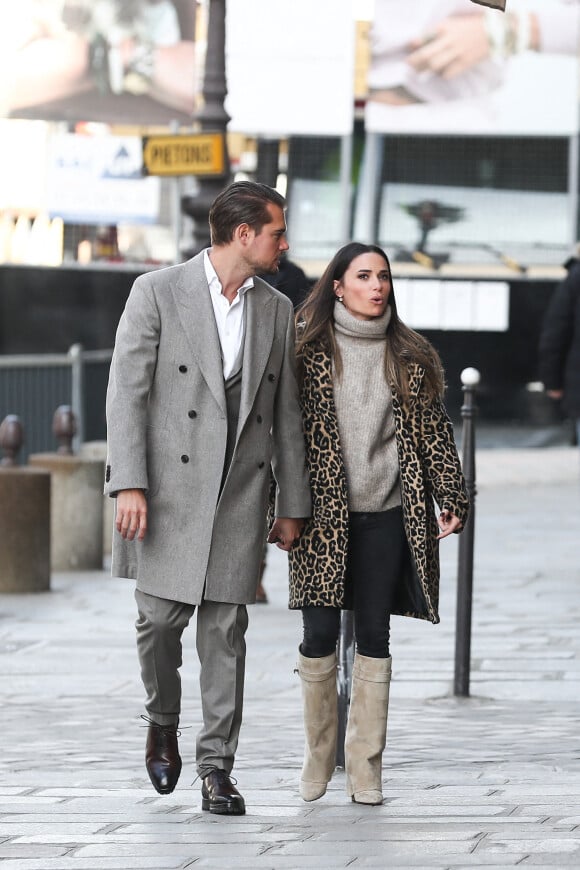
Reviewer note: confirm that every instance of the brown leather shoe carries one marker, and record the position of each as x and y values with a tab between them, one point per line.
162	758
219	795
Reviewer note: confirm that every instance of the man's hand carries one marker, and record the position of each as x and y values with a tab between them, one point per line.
285	532
131	519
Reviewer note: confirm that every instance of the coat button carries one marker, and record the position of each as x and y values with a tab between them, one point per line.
182	369
185	458
259	418
271	377
261	464
192	414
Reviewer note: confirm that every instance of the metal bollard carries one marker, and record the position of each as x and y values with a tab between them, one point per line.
345	656
76	500
11	439
64	427
470	379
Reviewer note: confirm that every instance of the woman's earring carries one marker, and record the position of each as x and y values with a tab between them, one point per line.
340	299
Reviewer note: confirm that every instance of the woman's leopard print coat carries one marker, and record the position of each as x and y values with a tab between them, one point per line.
429	469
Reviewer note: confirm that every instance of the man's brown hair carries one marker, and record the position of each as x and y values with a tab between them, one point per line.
243	202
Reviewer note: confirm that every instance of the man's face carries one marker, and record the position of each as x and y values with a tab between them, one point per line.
265	248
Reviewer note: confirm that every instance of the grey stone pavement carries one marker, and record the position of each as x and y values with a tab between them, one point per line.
492	780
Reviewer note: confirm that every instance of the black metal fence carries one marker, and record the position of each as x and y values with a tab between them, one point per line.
32	386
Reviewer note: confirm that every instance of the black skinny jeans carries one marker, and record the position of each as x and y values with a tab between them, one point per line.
376	548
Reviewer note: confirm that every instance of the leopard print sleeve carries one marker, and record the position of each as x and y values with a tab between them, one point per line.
441	460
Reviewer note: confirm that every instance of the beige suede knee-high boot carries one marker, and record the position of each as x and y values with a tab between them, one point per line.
366	731
319	698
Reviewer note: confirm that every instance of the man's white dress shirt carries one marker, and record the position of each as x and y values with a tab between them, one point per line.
229	318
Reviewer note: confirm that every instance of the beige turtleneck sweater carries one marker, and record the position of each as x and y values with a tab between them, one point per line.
364	409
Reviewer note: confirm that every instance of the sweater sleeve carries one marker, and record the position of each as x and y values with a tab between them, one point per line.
441	461
559	27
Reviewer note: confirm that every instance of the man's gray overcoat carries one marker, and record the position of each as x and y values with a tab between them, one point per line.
167	428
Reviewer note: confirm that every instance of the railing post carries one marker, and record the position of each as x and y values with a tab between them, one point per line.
345	656
470	379
77	393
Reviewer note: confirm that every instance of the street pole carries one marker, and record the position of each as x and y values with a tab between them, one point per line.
212	117
268	161
470	379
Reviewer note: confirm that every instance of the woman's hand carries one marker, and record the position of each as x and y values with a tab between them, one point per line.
454	46
448	523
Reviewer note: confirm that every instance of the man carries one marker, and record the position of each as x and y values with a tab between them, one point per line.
559	344
202	402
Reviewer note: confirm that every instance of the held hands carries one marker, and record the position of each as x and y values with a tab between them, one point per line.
285	532
131	518
448	523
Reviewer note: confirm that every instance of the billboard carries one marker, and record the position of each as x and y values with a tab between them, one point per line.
114	61
290	67
458	68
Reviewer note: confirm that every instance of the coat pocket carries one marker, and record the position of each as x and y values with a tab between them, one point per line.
156	457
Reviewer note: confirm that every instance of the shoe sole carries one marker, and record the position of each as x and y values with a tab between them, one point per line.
224	809
164	790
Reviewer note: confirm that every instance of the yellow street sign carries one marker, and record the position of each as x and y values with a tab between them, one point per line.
190	154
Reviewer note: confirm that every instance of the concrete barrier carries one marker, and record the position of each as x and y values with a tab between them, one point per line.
24	530
76	510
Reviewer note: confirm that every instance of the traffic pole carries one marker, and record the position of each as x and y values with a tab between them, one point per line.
470	379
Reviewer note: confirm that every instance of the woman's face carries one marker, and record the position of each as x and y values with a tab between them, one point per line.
365	286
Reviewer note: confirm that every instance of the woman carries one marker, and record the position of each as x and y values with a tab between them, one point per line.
379	448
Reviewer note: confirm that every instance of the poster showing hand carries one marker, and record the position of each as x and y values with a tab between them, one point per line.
457	68
129	61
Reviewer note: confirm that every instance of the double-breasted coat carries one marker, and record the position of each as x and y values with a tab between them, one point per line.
429	469
167	431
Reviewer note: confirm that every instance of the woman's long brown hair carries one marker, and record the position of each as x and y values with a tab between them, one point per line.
315	324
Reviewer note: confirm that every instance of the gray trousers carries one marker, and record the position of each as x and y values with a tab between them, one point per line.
221	648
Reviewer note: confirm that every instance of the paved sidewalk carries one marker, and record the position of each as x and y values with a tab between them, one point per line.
489	781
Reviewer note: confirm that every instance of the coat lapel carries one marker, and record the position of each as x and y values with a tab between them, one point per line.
197	318
260	323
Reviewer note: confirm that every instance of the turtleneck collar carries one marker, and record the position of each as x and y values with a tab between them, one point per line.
347	324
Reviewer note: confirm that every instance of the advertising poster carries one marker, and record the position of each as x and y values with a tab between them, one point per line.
113	61
460	68
297	76
106	170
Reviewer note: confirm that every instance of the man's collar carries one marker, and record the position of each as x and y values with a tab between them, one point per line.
213	277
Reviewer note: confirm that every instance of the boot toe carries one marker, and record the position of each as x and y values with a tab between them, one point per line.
370	796
311	791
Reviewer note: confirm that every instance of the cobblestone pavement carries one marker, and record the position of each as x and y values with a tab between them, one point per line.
488	781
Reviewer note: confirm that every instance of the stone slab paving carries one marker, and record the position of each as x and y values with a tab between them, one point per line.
488	781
